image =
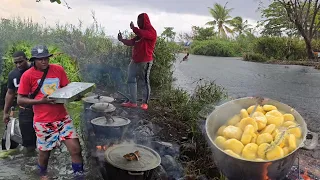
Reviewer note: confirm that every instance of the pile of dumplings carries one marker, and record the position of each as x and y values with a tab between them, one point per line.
266	135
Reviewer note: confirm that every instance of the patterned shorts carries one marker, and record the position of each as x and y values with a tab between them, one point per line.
50	135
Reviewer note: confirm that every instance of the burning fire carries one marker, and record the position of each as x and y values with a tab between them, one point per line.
265	171
305	175
100	148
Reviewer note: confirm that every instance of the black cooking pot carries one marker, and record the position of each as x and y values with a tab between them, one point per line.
89	101
110	126
238	169
117	167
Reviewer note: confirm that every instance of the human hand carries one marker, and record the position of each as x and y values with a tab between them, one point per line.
46	100
120	36
131	25
6	118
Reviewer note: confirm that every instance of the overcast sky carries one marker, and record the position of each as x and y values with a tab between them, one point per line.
115	15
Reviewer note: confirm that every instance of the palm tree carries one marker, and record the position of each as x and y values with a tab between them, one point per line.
240	26
222	18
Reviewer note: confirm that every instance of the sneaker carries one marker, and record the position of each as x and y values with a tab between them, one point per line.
129	105
144	106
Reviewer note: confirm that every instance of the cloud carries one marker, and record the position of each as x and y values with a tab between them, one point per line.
111	15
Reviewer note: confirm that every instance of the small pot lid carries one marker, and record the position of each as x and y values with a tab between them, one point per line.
98	99
114	121
148	160
103	107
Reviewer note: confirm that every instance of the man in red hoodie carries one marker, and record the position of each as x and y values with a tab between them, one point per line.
142	58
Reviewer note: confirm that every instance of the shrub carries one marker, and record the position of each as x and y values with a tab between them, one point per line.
216	47
280	48
255	57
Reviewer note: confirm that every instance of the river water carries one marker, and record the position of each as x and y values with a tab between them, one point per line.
296	86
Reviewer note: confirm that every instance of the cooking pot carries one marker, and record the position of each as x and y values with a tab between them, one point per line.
117	167
110	126
235	168
90	100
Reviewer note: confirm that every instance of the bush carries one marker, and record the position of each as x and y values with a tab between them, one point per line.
70	66
216	47
280	48
255	57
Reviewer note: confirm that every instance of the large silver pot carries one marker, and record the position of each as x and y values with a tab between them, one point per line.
234	168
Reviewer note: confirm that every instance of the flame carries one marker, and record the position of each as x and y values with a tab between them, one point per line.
100	148
265	171
305	175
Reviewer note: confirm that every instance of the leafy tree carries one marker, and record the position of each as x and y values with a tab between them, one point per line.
200	33
240	26
303	13
168	33
276	21
222	18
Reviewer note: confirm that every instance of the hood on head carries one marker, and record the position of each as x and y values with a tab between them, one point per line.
146	21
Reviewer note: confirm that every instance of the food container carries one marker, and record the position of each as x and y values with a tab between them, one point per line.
117	167
235	168
71	92
110	126
90	100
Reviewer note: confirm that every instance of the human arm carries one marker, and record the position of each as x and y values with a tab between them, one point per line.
147	34
64	81
24	100
10	95
128	42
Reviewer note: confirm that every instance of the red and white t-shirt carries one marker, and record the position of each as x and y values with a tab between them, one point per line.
55	79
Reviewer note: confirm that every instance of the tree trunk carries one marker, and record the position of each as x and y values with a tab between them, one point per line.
309	48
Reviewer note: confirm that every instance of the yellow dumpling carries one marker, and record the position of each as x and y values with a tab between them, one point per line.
274	117
244	113
264	138
254	138
260	119
285	151
232	132
234	145
259	109
269	107
234	120
220	130
231	153
246	121
292	142
296	132
275	153
274	133
288	117
269	129
220	141
262	150
250	151
247	134
289	123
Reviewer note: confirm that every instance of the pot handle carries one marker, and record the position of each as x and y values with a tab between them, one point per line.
314	141
135	174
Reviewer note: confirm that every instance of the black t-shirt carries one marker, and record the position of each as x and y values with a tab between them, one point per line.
14	80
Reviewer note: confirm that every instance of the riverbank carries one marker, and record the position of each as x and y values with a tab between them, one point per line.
315	64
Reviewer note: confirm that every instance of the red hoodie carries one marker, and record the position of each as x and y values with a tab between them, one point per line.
144	42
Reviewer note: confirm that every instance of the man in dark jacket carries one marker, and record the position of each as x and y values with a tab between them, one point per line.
142	58
25	113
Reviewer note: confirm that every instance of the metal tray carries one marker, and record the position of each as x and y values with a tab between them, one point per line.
71	92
